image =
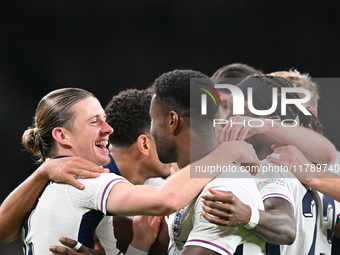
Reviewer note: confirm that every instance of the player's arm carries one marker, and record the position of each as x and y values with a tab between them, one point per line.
328	184
145	232
140	233
123	231
21	201
179	190
160	246
305	139
276	224
317	179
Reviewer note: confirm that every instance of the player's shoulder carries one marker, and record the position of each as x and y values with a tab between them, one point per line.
102	179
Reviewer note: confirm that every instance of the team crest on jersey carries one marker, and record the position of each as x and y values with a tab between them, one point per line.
202	219
176	225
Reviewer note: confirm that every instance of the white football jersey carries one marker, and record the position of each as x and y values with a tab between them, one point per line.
315	214
189	227
63	210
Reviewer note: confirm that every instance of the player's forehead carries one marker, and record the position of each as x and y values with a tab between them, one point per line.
88	108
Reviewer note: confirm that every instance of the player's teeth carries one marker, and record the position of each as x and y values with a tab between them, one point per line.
102	143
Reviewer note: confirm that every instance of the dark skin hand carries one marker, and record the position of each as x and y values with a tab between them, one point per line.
277	223
123	231
70	243
230	212
160	246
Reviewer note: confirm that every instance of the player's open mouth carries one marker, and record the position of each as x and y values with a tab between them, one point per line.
101	144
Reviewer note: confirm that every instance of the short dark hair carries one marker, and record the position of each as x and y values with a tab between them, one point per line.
178	88
128	114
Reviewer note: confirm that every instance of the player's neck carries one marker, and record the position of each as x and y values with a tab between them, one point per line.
196	147
129	165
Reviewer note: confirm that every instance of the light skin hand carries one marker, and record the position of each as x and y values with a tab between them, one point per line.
145	231
289	154
20	202
237	128
65	170
70	243
227	209
246	153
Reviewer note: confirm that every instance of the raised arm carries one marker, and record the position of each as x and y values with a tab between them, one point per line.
179	190
21	201
306	140
315	177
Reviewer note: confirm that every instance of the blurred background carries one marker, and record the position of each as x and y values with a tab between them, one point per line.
105	47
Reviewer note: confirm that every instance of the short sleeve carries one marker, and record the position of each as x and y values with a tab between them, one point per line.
224	240
274	187
274	184
95	195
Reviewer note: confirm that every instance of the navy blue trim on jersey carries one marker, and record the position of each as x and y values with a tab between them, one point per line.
113	167
273	249
312	195
28	248
327	203
62	156
89	223
239	250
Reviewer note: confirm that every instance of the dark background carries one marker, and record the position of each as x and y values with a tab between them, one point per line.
105	47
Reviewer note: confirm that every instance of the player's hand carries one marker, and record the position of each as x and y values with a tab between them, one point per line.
66	170
70	244
224	208
145	231
290	156
173	168
238	128
246	154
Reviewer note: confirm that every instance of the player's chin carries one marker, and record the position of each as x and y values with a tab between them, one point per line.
103	158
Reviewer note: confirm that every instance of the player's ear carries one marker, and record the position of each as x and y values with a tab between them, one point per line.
61	135
313	111
173	121
143	144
